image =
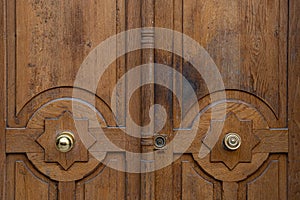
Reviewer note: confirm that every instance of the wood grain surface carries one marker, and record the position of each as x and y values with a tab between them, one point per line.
254	45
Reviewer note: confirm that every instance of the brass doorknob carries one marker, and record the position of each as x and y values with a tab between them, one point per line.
65	142
232	141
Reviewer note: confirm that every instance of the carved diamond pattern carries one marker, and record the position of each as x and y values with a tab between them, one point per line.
83	140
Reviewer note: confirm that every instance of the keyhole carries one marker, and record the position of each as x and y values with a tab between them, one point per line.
160	141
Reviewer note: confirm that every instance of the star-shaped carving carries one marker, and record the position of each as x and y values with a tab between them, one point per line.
83	140
232	124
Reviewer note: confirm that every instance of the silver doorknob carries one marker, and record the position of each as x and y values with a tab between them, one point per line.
65	142
232	141
160	141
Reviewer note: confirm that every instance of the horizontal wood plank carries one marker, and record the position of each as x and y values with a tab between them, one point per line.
272	141
23	140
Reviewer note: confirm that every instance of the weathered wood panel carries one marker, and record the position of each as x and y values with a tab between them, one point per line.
294	97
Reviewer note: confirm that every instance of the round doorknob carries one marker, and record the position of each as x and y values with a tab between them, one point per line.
232	141
65	142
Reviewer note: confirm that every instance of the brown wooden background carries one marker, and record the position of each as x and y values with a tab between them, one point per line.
162	13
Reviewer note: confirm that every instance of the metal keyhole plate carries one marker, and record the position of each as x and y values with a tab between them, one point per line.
160	141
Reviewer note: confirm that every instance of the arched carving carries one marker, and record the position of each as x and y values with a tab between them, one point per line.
251	118
53	94
233	96
25	176
91	128
103	179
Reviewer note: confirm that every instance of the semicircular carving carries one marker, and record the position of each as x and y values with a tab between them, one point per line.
240	172
91	134
55	172
56	107
41	99
232	96
252	125
27	178
55	117
272	174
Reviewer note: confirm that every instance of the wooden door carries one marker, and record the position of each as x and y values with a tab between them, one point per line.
247	40
250	47
47	41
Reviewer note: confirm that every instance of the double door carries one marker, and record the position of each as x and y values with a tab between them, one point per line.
132	99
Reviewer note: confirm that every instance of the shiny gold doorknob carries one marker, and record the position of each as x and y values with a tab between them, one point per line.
232	141
65	142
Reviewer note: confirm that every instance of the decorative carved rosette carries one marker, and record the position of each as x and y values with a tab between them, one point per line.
241	114
89	130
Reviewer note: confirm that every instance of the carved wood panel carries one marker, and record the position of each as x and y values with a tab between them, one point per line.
97	184
294	96
194	185
52	40
25	181
270	177
47	41
46	44
187	181
247	41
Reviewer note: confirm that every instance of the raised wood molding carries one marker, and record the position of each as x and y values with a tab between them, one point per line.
96	184
147	92
57	46
294	98
244	38
251	41
83	139
66	190
271	176
3	54
24	177
232	124
239	164
194	185
230	190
